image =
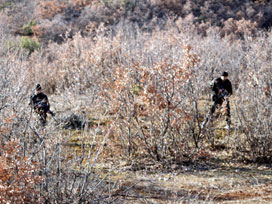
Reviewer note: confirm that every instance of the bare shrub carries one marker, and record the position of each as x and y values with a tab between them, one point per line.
237	29
253	104
65	177
152	106
254	112
145	90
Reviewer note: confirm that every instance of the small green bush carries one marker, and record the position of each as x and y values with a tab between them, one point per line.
27	30
30	44
6	5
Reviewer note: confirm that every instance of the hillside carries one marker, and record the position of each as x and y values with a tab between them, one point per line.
53	19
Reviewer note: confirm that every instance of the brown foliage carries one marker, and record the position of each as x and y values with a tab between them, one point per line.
18	176
148	102
48	9
83	3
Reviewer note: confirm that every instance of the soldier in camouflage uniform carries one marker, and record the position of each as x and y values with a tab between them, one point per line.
41	105
221	90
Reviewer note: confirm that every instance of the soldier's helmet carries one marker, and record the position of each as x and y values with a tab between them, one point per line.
225	74
38	87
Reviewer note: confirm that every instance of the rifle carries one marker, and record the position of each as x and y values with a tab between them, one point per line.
223	93
46	108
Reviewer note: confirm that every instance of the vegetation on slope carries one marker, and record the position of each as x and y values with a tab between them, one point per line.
133	78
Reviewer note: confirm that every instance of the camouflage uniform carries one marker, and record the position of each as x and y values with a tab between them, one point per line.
41	105
221	90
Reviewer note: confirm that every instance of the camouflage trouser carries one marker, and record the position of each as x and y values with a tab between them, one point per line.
226	109
42	116
219	103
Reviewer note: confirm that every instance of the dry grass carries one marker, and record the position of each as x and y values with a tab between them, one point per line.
218	182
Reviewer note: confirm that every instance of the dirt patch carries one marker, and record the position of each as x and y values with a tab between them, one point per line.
215	182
